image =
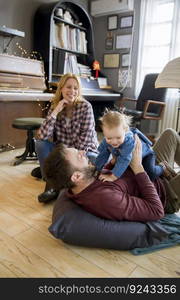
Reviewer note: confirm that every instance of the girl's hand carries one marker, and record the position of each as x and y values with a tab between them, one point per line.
107	177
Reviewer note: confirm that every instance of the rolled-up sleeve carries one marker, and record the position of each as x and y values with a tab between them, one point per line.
103	155
87	134
125	155
47	128
123	206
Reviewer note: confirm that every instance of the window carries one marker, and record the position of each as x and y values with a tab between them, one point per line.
158	41
156	36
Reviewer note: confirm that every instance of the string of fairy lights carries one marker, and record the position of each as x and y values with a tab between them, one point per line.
43	108
31	55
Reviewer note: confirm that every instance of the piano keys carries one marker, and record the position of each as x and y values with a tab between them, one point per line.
92	91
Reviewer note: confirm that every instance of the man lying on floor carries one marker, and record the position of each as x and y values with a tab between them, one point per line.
132	197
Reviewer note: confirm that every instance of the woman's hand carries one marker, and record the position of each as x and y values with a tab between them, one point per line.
38	134
61	105
136	161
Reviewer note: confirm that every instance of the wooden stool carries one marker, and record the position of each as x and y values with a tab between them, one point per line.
29	124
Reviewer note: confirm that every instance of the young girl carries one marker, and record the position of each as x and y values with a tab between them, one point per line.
119	141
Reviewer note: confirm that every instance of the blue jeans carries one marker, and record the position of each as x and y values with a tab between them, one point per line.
44	147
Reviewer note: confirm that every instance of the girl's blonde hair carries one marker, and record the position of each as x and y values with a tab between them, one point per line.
113	119
58	95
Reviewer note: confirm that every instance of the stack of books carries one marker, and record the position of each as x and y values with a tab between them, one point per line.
84	71
64	62
69	38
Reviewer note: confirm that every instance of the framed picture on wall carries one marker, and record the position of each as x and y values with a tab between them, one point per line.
111	60
109	43
126	22
112	22
123	41
125	60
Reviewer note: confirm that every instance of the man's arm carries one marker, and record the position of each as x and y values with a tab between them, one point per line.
124	206
136	161
120	205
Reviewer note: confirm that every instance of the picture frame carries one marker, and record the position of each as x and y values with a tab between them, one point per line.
111	60
112	22
109	43
125	60
126	22
123	41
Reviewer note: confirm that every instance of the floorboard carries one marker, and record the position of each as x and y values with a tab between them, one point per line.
27	249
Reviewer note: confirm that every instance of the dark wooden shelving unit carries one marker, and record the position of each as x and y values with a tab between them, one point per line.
44	22
70	51
59	20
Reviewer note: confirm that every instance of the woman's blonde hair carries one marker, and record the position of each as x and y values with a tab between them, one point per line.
113	119
58	95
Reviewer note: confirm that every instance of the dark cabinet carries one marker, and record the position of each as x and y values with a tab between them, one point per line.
63	37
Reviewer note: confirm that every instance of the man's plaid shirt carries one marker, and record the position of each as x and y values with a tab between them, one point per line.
79	132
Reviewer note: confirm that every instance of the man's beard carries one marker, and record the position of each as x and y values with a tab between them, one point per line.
89	172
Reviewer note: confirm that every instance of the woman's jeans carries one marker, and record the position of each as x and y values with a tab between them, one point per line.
44	147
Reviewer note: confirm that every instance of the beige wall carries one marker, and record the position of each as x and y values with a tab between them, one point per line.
100	34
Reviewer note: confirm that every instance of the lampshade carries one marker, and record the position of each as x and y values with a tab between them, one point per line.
170	75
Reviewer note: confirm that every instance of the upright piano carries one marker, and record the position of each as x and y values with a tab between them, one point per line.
22	86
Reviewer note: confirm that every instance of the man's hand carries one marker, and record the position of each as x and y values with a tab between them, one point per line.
107	177
136	162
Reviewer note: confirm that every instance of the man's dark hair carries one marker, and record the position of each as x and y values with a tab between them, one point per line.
58	169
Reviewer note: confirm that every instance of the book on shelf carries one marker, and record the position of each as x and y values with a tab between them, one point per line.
64	36
83	42
54	61
84	71
58	61
70	64
64	62
59	33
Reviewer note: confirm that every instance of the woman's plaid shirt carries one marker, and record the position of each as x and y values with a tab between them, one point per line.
79	132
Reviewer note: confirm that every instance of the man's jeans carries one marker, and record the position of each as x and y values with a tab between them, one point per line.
167	148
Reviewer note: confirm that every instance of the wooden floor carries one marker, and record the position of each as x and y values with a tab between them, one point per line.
28	250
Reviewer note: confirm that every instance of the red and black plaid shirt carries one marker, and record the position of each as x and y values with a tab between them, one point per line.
79	132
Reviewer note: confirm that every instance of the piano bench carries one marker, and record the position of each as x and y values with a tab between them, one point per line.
29	124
